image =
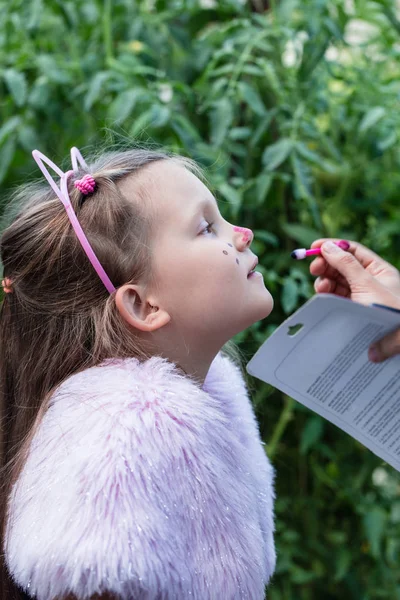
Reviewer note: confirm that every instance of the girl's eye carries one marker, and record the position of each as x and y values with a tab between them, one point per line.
207	229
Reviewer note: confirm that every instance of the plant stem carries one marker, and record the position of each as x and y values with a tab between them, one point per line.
286	416
107	36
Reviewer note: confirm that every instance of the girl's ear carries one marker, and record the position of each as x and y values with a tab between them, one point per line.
136	309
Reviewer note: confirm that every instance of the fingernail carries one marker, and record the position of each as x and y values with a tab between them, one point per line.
343	244
374	354
330	247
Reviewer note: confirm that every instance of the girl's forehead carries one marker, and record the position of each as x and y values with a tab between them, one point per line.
172	187
166	192
171	175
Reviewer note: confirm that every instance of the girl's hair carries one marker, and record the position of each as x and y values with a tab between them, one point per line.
59	318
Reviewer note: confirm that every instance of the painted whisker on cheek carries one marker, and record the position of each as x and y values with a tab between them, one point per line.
237	260
225	251
230	245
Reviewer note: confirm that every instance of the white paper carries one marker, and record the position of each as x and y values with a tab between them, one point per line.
325	366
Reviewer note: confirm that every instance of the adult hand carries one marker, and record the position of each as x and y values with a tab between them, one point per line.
357	273
362	276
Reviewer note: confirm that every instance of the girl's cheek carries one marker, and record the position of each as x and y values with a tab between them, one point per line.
227	254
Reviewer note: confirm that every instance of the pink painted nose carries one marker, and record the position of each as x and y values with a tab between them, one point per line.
246	235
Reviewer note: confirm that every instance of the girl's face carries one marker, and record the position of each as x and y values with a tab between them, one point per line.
200	262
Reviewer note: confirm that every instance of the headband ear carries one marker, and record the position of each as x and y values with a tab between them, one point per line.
76	157
62	194
40	160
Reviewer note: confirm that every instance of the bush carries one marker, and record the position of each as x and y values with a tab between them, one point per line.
293	109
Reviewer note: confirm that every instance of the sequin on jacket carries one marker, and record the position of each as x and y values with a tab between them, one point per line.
142	483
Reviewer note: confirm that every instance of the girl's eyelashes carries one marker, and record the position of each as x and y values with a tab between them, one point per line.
208	229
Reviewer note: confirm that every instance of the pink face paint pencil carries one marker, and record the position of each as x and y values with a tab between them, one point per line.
301	253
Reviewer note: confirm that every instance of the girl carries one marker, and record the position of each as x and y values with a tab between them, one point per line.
132	463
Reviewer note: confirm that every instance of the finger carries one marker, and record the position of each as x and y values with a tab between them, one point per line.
364	255
342	290
319	267
386	347
346	264
318	243
323	285
330	273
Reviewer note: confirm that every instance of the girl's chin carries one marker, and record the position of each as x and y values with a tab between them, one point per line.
262	312
266	306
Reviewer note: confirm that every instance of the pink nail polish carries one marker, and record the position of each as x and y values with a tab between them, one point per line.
343	244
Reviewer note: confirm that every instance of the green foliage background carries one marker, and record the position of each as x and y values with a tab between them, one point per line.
297	122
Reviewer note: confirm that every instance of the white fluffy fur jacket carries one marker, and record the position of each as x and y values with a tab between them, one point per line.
141	483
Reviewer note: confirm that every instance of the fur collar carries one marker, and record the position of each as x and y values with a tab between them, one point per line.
141	483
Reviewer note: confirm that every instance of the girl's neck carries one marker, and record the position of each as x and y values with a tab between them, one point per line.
194	367
193	355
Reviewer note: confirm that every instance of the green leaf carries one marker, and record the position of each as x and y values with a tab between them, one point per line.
251	96
301	233
141	124
28	138
253	70
266	236
209	156
96	88
328	166
40	93
388	141
371	118
240	133
308	154
224	70
53	70
261	129
301	576
311	434
185	130
289	295
6	156
342	564
302	178
16	83
8	127
263	185
35	14
160	115
121	108
374	526
274	155
221	119
271	77
232	195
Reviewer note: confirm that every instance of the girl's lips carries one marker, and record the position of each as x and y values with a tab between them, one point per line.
254	274
255	263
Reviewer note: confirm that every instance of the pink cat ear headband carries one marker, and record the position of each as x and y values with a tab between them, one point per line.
86	185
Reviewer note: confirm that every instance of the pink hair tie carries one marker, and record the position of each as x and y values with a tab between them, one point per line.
7	285
86	185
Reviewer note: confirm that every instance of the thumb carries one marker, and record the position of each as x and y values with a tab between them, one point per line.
386	347
344	262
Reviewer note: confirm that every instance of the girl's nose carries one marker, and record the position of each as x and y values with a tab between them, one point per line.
243	237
